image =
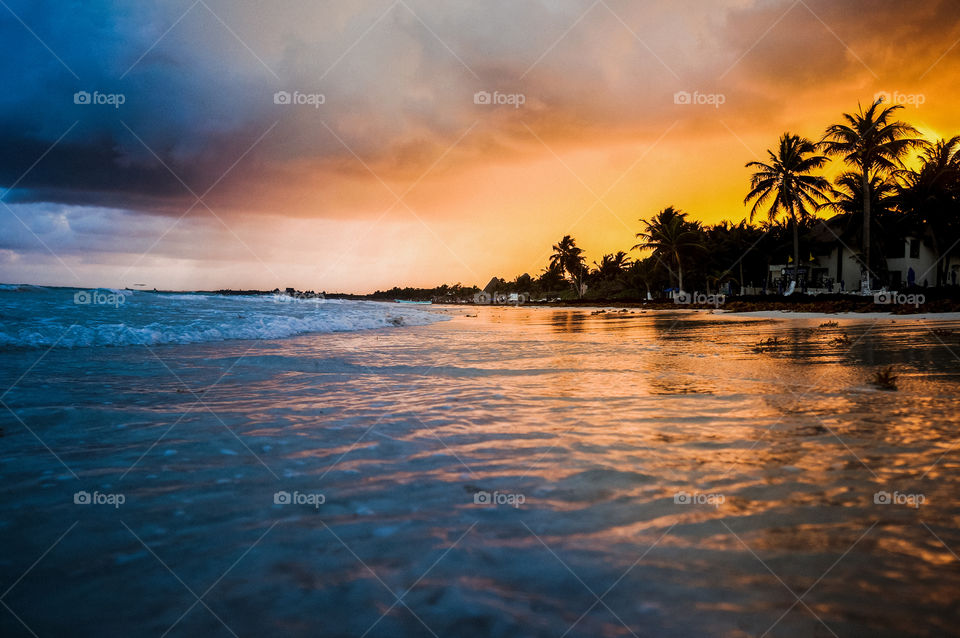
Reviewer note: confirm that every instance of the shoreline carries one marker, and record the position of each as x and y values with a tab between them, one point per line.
864	307
940	302
933	302
615	310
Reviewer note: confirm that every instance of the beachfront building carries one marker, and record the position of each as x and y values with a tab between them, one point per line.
911	261
833	265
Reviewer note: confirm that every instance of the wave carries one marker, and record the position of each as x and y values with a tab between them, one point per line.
174	325
21	288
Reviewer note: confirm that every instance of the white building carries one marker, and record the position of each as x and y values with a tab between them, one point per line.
836	267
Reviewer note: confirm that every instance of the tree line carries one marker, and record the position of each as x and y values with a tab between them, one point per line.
894	184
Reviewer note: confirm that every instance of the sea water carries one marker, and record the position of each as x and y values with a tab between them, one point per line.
198	465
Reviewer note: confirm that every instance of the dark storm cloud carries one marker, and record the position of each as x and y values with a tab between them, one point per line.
198	81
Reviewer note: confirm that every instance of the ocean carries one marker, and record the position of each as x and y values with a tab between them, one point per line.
184	464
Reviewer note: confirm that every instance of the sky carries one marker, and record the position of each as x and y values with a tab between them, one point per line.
362	144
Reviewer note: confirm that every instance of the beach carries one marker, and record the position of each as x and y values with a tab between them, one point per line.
500	472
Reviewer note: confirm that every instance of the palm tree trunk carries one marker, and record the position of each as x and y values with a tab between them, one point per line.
866	220
941	265
679	272
796	251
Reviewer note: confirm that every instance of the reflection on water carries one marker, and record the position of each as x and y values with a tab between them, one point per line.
675	481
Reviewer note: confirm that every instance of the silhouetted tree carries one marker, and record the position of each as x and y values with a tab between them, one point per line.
788	182
873	144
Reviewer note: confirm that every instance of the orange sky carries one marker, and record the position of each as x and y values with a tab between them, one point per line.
307	195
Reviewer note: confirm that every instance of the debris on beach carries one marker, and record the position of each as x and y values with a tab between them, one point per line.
942	332
767	344
885	379
842	340
830	324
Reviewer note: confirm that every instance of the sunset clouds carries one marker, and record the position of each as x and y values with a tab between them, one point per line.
400	175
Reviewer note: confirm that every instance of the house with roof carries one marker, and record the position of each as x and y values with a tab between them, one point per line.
833	262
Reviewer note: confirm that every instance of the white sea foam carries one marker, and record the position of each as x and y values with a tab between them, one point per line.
52	318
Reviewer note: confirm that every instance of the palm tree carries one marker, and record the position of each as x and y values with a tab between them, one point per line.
930	196
642	272
734	244
873	144
568	257
551	279
670	235
612	266
847	201
847	195
788	181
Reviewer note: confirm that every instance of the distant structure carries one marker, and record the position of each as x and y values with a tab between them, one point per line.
489	295
833	267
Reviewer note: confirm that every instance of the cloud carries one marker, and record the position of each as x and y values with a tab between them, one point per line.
398	82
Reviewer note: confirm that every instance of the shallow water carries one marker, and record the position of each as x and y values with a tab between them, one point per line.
41	318
602	425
